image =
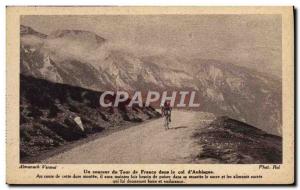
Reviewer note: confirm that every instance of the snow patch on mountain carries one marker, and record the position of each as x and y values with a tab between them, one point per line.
214	95
235	84
49	71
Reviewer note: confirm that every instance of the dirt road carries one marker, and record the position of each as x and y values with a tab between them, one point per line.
147	143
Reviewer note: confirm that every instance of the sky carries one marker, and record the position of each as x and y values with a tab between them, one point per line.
252	41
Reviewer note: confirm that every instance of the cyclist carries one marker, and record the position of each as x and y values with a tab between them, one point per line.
166	107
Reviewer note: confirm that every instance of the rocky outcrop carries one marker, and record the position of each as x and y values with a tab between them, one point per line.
54	114
229	141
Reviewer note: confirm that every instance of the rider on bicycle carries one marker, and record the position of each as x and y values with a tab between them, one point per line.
166	107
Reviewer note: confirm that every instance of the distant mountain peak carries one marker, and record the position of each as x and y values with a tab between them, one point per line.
26	30
82	34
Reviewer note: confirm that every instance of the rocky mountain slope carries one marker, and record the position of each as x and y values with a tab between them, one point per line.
48	111
82	58
232	142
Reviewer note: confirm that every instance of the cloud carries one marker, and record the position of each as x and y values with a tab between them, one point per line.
88	51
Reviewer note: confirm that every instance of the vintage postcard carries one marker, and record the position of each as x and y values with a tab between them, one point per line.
150	95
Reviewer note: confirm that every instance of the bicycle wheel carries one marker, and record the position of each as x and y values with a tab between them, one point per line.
167	121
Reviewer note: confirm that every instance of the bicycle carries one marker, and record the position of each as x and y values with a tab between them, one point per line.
167	119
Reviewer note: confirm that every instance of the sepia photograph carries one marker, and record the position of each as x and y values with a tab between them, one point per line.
231	63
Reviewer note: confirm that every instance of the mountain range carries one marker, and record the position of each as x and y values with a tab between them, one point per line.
85	59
